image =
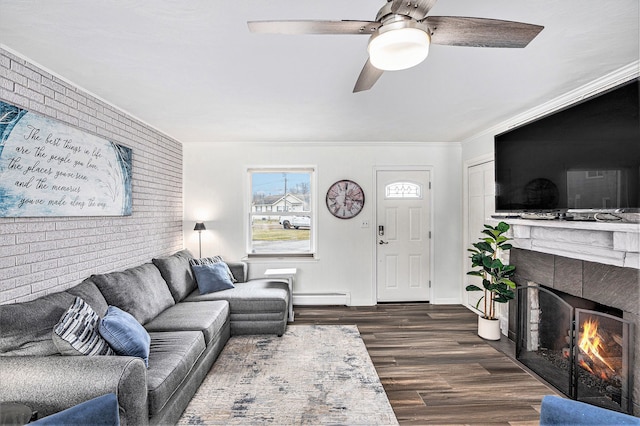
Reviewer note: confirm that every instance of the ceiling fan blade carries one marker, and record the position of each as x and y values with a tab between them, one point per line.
313	27
368	77
417	9
480	32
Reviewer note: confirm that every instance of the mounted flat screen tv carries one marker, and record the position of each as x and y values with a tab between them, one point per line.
583	158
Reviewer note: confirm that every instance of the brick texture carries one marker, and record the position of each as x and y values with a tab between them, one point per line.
45	255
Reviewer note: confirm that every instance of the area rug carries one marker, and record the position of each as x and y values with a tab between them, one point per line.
313	374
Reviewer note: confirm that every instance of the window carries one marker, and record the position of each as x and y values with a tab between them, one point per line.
282	210
595	174
403	190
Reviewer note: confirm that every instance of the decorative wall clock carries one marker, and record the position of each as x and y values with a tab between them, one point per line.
345	199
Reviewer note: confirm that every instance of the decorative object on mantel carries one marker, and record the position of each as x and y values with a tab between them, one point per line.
345	199
496	277
50	168
200	227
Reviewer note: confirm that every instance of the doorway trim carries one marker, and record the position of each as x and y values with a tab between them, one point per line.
374	224
476	161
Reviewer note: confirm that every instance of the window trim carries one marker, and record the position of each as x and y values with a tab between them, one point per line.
313	206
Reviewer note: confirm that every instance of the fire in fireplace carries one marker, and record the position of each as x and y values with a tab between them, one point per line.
599	350
581	347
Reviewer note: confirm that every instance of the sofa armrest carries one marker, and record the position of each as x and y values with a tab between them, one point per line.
54	383
240	271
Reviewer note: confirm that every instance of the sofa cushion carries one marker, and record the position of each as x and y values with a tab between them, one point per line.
254	296
173	355
27	326
88	291
141	291
177	272
208	317
77	331
124	334
212	277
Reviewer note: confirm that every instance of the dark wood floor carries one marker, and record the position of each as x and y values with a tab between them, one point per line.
434	367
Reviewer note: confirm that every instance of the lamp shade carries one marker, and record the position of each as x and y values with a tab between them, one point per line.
398	49
199	227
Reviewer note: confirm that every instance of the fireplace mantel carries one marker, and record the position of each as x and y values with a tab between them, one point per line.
603	242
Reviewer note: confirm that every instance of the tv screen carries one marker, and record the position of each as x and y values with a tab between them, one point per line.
584	157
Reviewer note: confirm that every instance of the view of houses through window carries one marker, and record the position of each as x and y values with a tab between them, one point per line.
281	211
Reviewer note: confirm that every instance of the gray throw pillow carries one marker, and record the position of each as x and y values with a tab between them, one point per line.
77	332
141	291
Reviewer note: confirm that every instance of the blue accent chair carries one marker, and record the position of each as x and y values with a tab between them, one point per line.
100	411
556	411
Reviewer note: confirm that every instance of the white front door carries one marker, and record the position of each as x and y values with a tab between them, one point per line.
403	232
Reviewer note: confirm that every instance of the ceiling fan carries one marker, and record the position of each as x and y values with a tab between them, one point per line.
402	33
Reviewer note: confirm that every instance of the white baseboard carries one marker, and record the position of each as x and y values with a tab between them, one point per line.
321	299
446	301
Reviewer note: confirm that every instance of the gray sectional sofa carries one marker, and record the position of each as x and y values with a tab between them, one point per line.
188	331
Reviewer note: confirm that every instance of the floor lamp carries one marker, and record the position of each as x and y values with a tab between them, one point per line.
200	227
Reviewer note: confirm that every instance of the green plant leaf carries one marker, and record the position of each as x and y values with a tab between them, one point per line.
478	303
476	273
503	227
509	283
492	234
506	247
472	287
483	246
497	264
505	297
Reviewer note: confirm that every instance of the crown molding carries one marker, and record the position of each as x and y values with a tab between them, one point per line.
599	85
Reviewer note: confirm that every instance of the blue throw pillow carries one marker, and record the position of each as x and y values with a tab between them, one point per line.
125	334
100	411
212	277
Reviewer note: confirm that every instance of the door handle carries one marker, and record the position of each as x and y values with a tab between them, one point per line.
383	242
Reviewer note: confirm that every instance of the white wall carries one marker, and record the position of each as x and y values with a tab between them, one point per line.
215	186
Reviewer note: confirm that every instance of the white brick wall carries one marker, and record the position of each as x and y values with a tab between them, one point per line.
45	255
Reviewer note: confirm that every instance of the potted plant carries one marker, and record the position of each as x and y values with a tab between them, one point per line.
496	277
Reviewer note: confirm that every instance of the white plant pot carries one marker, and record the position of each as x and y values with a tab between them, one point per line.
489	329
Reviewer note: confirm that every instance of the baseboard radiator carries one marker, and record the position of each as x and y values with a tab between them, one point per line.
301	299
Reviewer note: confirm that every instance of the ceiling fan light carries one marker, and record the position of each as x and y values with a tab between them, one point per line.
398	49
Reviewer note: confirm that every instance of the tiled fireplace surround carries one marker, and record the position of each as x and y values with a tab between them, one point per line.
596	261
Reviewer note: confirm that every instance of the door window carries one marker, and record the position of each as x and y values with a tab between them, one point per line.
403	190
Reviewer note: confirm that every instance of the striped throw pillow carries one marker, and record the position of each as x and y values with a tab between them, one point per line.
77	332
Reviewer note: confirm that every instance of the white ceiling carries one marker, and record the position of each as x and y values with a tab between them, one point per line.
193	70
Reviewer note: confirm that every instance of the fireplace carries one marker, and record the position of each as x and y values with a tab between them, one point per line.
561	300
581	347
